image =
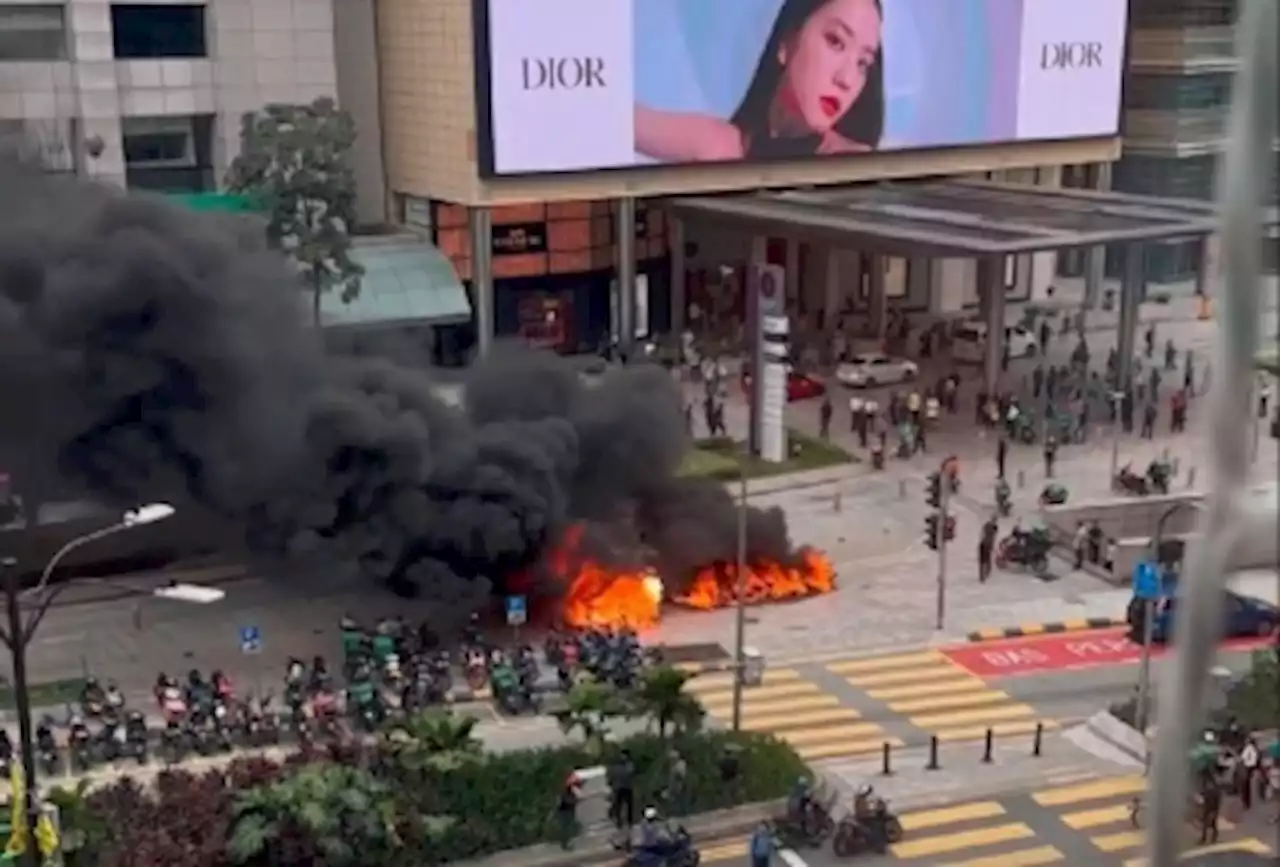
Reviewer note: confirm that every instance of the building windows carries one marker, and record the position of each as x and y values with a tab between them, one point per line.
1178	92
141	30
169	154
33	32
1178	178
1177	14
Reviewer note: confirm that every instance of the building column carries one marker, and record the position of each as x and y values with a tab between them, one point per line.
679	281
877	298
792	276
1095	266
482	278
1208	266
991	298
831	294
1131	292
625	284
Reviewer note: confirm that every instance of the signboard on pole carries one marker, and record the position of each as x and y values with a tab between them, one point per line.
1146	580
517	610
250	640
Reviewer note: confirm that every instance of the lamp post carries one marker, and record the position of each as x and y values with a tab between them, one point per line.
20	632
1148	618
740	605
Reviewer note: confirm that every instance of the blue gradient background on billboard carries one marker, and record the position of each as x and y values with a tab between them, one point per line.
698	55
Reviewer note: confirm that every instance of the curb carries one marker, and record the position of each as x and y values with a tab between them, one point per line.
1081	624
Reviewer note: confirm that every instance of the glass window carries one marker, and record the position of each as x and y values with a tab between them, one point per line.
1178	92
146	30
33	32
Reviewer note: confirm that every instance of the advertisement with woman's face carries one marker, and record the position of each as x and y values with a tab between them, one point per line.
692	81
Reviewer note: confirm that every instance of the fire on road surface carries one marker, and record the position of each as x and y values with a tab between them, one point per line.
1047	653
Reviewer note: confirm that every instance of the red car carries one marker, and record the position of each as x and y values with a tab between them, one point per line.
799	386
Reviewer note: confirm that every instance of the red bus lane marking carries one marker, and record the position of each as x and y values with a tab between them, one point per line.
1044	653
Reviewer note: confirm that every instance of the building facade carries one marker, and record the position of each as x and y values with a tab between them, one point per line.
547	237
150	94
1182	62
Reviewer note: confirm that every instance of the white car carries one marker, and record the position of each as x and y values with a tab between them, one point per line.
873	368
969	342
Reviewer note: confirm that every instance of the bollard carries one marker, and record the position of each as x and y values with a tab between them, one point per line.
1191	477
933	754
902	489
987	746
837	502
885	768
1164	454
1035	740
1175	466
1022	479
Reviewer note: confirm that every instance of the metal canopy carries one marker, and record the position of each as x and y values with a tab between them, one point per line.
960	219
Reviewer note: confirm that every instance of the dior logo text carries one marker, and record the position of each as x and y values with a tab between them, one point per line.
1071	55
562	73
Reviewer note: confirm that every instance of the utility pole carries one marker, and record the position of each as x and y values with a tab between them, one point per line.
740	604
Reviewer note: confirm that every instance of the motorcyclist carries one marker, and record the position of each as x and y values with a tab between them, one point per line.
320	680
92	697
222	687
654	840
199	695
1003	497
800	801
45	739
135	731
864	803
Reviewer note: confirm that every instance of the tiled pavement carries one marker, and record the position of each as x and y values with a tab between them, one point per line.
1086	822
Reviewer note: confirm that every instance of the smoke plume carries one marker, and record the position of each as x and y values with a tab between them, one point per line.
148	353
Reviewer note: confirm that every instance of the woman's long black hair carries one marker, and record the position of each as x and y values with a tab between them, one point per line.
863	122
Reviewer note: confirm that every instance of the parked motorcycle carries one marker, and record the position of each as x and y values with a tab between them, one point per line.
1025	548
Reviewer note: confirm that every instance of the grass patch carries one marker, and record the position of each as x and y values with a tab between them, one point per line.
54	693
718	458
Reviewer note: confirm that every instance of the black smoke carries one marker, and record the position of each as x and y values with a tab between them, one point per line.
151	353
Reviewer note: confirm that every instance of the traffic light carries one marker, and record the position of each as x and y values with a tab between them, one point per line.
931	531
934	496
949	528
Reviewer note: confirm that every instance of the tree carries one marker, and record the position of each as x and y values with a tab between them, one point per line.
293	161
433	740
589	708
343	815
661	697
1254	699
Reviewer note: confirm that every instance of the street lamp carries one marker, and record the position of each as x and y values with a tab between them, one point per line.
19	634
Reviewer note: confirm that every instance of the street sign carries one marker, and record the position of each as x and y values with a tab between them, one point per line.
250	639
517	610
1146	580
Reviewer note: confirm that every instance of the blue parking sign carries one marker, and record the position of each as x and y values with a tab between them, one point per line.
1146	580
517	610
250	639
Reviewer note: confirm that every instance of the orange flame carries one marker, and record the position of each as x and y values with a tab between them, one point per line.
716	586
596	596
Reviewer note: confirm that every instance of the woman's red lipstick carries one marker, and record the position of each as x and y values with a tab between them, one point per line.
830	105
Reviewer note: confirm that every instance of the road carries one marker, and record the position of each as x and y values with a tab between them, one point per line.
870	523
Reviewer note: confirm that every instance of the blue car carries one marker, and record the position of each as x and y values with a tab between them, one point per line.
1243	617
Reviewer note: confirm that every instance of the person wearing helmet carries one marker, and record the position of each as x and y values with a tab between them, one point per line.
799	802
653	842
864	802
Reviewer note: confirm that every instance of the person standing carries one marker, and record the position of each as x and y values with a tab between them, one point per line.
1149	421
1080	544
761	845
622	800
824	417
567	812
1050	455
1002	455
987	548
855	418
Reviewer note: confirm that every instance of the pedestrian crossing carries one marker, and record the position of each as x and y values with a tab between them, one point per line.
1069	824
938	696
795	710
1101	810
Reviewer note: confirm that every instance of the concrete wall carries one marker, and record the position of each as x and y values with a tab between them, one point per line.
429	104
355	42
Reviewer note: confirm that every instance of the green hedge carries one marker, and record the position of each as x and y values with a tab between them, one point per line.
507	800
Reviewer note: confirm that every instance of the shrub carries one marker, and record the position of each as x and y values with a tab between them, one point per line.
432	811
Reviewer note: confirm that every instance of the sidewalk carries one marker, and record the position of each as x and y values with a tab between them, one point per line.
962	775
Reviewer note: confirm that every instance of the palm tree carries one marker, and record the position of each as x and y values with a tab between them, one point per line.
589	707
434	740
343	814
661	697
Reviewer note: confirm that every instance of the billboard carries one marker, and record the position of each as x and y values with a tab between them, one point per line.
579	85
